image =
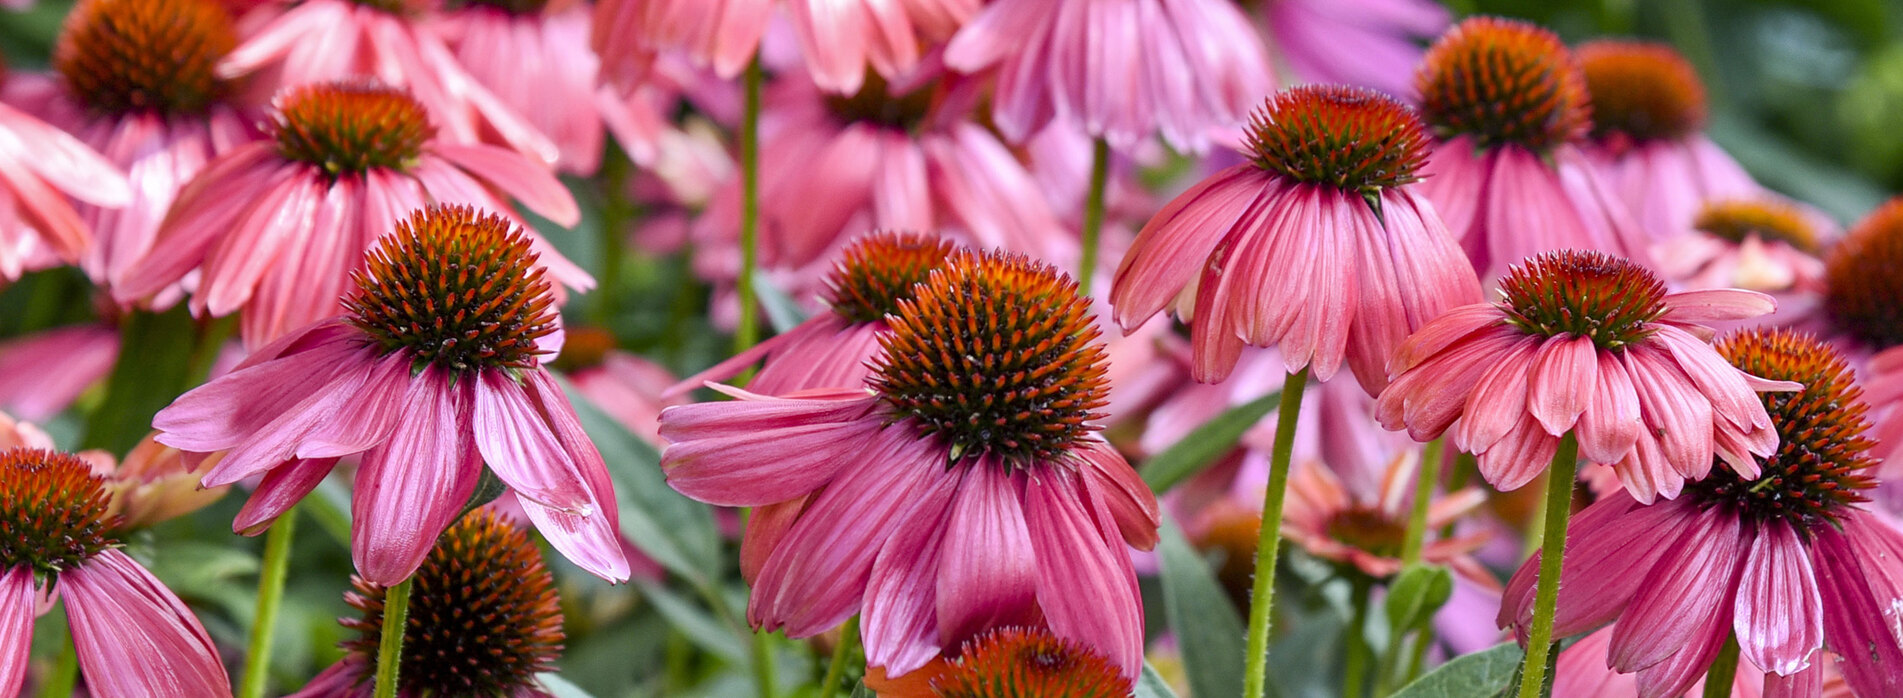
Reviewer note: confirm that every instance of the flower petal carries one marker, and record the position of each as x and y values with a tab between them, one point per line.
1086	584
411	487
520	448
750	452
134	637
987	573
1779	618
17	601
282	488
1685	599
1561	382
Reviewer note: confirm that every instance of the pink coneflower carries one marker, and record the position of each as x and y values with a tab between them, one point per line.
275	227
1863	302
1784	558
40	166
484	619
533	56
1648	114
964	490
41	374
1011	662
1365	529
1317	246
1370	43
432	376
872	276
134	637
134	80
1122	70
1585	343
1509	105
1765	243
839	39
325	40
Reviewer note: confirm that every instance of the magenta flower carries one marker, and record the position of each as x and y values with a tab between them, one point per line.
1648	114
1784	558
1369	43
430	377
1585	343
1317	246
1123	70
134	637
1581	672
534	57
275	227
832	349
964	490
1509	105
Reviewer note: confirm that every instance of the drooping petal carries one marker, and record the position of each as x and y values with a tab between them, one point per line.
1562	380
412	486
282	488
1131	502
899	624
134	637
1611	548
1175	245
1779	618
224	412
591	541
520	448
987	573
1861	619
1706	306
17	599
1086	584
1611	424
750	452
1685	599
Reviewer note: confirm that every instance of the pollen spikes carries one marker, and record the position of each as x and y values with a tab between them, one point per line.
348	128
878	270
1504	82
1865	293
1588	294
1349	138
53	512
122	57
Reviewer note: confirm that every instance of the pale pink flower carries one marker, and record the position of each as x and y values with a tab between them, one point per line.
1365	529
964	490
325	40
40	166
275	227
1648	140
1783	556
1318	246
133	636
840	38
1370	43
534	57
1123	70
1509	105
431	378
1765	243
1590	344
41	374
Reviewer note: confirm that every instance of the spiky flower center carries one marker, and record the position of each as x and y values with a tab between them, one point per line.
1736	220
1822	462
875	103
395	7
53	512
875	272
347	128
455	287
1503	81
1349	138
998	355
1029	663
484	614
123	57
514	7
1865	294
1368	529
1587	294
1642	90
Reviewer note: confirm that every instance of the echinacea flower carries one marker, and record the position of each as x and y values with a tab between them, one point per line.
431	378
1011	662
1318	246
1121	70
1367	43
1784	557
1586	343
1365	529
275	227
1648	122
41	374
1863	302
1765	243
1509	106
871	277
961	489
134	80
533	56
484	619
133	636
40	166
329	40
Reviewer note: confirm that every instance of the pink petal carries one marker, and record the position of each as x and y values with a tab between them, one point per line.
1132	504
134	637
1442	332
17	601
592	542
520	448
528	181
1675	410
1685	599
987	574
1086	584
1611	548
899	624
1498	399
1779	617
762	451
1611	424
1718	381
1561	382
282	488
1686	665
1862	622
1704	307
1175	245
283	438
767	525
412	486
1520	456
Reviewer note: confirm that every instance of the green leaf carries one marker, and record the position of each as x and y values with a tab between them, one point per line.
1152	685
1416	595
560	687
1205	444
677	532
1207	627
156	363
860	691
781	310
695	623
1479	675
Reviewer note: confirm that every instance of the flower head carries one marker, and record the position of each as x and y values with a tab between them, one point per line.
1501	81
1767	219
1591	344
1365	530
1352	139
55	510
1026	663
123	56
1760	243
1862	287
1641	91
348	128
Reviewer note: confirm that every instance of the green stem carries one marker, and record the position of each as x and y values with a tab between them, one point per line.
1269	540
848	637
1093	213
65	673
1416	536
1724	668
763	673
1559	501
616	211
396	618
747	333
277	564
1424	641
1354	678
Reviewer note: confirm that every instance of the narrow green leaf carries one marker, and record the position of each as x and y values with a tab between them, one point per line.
1152	685
1206	624
154	366
560	687
1416	595
1479	675
695	623
860	691
1205	444
781	310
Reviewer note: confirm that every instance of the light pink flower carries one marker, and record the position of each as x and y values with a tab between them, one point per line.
536	60
41	374
1784	557
1585	343
274	227
1370	43
1509	105
1318	246
325	40
431	378
1365	529
840	38
1765	243
40	166
1648	113
1123	70
133	636
963	491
